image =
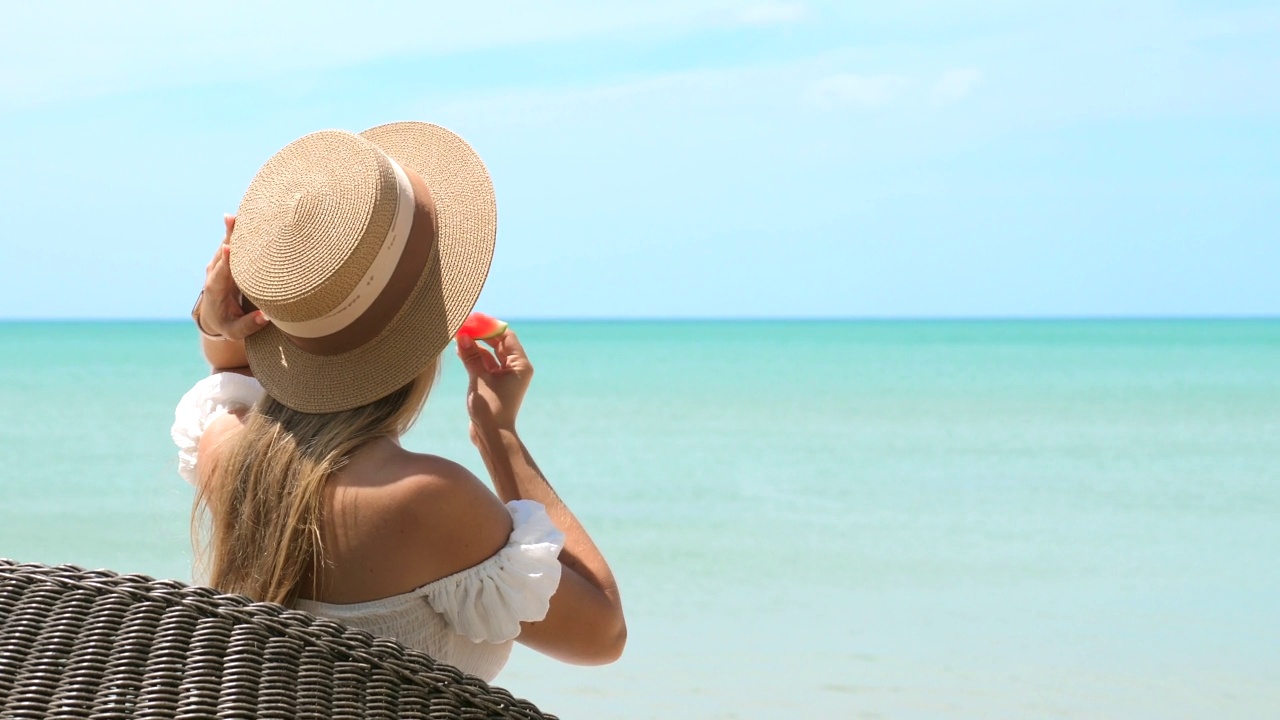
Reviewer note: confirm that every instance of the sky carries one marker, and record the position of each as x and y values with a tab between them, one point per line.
678	159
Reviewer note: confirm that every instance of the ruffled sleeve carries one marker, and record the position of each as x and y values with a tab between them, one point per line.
487	602
213	396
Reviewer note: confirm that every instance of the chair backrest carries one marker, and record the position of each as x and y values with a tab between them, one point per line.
93	644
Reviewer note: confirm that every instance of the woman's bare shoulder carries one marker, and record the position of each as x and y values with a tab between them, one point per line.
417	483
451	507
417	517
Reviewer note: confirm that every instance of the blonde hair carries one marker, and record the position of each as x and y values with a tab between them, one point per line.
256	523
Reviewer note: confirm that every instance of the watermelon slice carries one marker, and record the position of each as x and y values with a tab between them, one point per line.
479	326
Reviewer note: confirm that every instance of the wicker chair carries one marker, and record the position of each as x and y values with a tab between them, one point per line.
94	644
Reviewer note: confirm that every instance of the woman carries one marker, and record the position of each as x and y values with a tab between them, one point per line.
351	264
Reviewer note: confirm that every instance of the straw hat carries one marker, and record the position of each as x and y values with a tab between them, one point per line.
367	252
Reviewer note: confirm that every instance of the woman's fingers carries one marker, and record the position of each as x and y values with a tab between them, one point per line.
506	343
228	222
475	358
219	281
217	255
509	350
243	327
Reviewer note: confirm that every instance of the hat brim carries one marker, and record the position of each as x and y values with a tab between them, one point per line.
467	216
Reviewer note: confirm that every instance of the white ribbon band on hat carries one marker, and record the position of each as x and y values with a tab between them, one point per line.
375	280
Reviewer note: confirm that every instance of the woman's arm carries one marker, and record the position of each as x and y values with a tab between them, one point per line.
225	355
585	623
218	313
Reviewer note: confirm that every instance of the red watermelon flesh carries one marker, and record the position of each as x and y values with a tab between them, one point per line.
479	326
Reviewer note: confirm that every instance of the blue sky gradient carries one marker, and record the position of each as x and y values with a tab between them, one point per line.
679	159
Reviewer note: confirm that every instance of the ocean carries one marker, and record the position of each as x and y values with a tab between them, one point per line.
879	519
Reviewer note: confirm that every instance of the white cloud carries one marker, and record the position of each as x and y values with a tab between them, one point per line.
957	83
871	91
772	13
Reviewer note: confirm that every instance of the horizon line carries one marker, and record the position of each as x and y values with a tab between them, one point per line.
741	319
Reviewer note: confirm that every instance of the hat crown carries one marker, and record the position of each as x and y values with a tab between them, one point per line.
311	224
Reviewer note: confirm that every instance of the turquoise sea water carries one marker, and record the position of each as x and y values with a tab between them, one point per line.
851	520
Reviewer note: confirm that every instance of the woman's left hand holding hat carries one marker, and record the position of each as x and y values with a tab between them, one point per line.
218	313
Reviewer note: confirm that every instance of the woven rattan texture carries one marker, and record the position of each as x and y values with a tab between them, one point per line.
93	644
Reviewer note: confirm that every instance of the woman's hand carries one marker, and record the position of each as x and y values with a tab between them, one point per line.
499	380
219	311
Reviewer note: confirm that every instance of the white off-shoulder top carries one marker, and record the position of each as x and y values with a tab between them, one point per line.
469	619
